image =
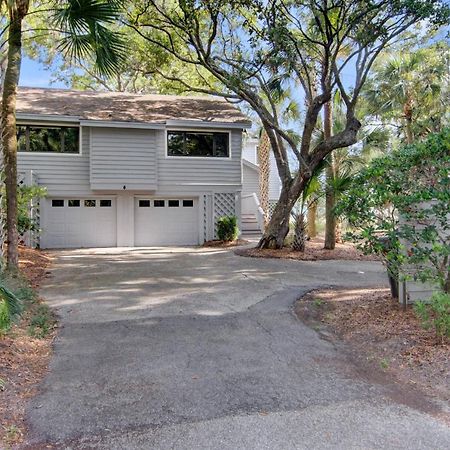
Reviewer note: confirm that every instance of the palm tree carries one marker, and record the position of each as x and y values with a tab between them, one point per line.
84	32
409	90
301	209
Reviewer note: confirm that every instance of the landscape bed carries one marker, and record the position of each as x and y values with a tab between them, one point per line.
25	351
381	335
314	252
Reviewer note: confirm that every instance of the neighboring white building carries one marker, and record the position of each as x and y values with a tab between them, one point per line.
252	220
130	170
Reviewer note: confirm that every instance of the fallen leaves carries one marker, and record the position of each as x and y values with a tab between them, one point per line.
314	252
373	323
23	359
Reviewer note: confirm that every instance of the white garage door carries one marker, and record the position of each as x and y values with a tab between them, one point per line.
165	221
79	222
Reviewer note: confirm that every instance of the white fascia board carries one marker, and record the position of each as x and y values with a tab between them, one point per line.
47	118
204	124
118	124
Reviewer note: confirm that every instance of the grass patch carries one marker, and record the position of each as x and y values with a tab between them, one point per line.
42	321
384	363
38	317
317	302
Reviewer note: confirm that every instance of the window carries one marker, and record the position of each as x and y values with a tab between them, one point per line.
188	203
174	203
159	203
89	203
74	203
190	143
56	139
144	203
57	203
105	203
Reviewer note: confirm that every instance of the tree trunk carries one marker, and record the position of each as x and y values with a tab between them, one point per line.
408	113
409	133
264	169
278	226
338	231
17	12
312	218
330	220
299	234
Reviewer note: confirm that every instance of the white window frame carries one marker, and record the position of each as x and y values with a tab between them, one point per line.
197	130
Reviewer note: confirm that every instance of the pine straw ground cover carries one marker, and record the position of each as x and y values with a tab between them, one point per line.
24	353
225	244
314	252
382	335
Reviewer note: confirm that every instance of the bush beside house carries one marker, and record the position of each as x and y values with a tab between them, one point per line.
227	229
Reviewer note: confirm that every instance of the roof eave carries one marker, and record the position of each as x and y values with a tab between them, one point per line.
208	124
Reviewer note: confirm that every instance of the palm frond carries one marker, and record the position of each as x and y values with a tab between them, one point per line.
85	25
10	307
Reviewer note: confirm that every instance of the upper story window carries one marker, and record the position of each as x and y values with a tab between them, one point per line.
56	139
198	143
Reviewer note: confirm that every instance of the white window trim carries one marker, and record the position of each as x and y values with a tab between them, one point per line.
195	158
55	124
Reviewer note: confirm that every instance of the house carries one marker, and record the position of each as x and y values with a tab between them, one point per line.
252	220
129	170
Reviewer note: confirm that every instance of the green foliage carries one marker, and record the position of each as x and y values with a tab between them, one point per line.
25	196
404	198
10	308
410	89
227	229
86	32
318	302
436	314
384	363
16	297
42	321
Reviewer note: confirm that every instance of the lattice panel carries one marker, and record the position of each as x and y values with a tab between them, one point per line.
35	212
272	204
30	238
224	205
205	218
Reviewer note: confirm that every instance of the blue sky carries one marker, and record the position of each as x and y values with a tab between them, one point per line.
34	74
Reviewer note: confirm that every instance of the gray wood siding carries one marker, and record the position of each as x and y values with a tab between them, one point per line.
61	174
250	182
184	171
112	167
123	157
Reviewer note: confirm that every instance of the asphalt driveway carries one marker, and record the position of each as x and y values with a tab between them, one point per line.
199	349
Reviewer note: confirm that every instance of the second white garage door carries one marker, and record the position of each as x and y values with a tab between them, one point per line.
171	221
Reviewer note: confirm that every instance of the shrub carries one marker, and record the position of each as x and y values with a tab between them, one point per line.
436	314
25	195
227	229
403	198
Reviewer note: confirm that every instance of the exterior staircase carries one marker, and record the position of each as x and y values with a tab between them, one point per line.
250	225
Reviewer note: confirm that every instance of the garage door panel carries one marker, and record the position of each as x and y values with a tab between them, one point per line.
177	225
80	226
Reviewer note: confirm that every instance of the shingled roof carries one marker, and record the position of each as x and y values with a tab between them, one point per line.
126	107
